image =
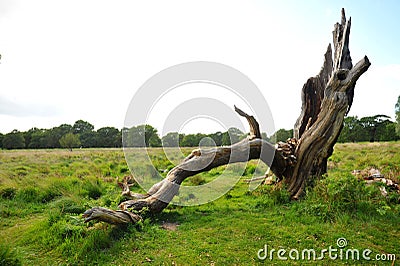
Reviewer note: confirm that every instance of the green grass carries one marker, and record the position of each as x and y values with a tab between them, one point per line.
43	194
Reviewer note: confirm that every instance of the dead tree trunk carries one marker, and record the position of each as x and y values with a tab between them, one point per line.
297	162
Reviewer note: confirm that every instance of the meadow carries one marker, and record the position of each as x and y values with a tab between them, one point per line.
43	194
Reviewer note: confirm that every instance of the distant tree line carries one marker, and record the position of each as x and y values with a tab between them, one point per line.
82	134
233	135
370	128
133	137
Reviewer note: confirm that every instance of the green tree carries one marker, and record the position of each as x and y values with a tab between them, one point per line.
207	141
134	137
232	136
397	112
370	128
88	139
108	137
373	124
170	140
1	140
86	134
151	137
46	138
125	137
217	137
81	126
118	143
38	138
192	140
282	135
14	140
70	141
55	134
387	132
28	136
352	130
141	136
189	140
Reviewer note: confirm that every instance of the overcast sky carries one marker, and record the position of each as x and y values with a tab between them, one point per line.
67	60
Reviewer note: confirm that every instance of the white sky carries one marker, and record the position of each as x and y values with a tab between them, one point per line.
67	60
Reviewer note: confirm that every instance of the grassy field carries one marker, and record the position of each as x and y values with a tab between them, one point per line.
44	192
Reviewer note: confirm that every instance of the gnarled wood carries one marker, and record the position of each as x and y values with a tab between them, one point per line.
250	148
254	126
297	162
110	216
326	99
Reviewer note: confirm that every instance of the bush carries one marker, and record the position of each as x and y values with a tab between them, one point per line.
82	173
8	256
68	205
60	231
197	180
8	193
343	193
29	194
36	195
93	188
48	194
334	196
270	196
123	170
250	169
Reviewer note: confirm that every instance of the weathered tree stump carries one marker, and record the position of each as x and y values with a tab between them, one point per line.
297	162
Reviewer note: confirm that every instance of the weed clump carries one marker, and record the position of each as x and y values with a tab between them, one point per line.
48	194
28	194
334	196
8	193
269	196
250	169
35	195
68	205
8	256
93	189
197	180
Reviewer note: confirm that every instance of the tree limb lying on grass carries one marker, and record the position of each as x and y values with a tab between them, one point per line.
326	99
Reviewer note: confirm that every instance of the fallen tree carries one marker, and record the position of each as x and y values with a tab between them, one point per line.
297	162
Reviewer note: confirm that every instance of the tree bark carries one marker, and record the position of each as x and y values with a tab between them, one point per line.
109	216
297	162
326	99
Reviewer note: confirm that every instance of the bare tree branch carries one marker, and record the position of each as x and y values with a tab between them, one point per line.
326	98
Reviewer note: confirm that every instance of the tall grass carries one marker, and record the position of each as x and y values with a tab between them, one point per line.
43	194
